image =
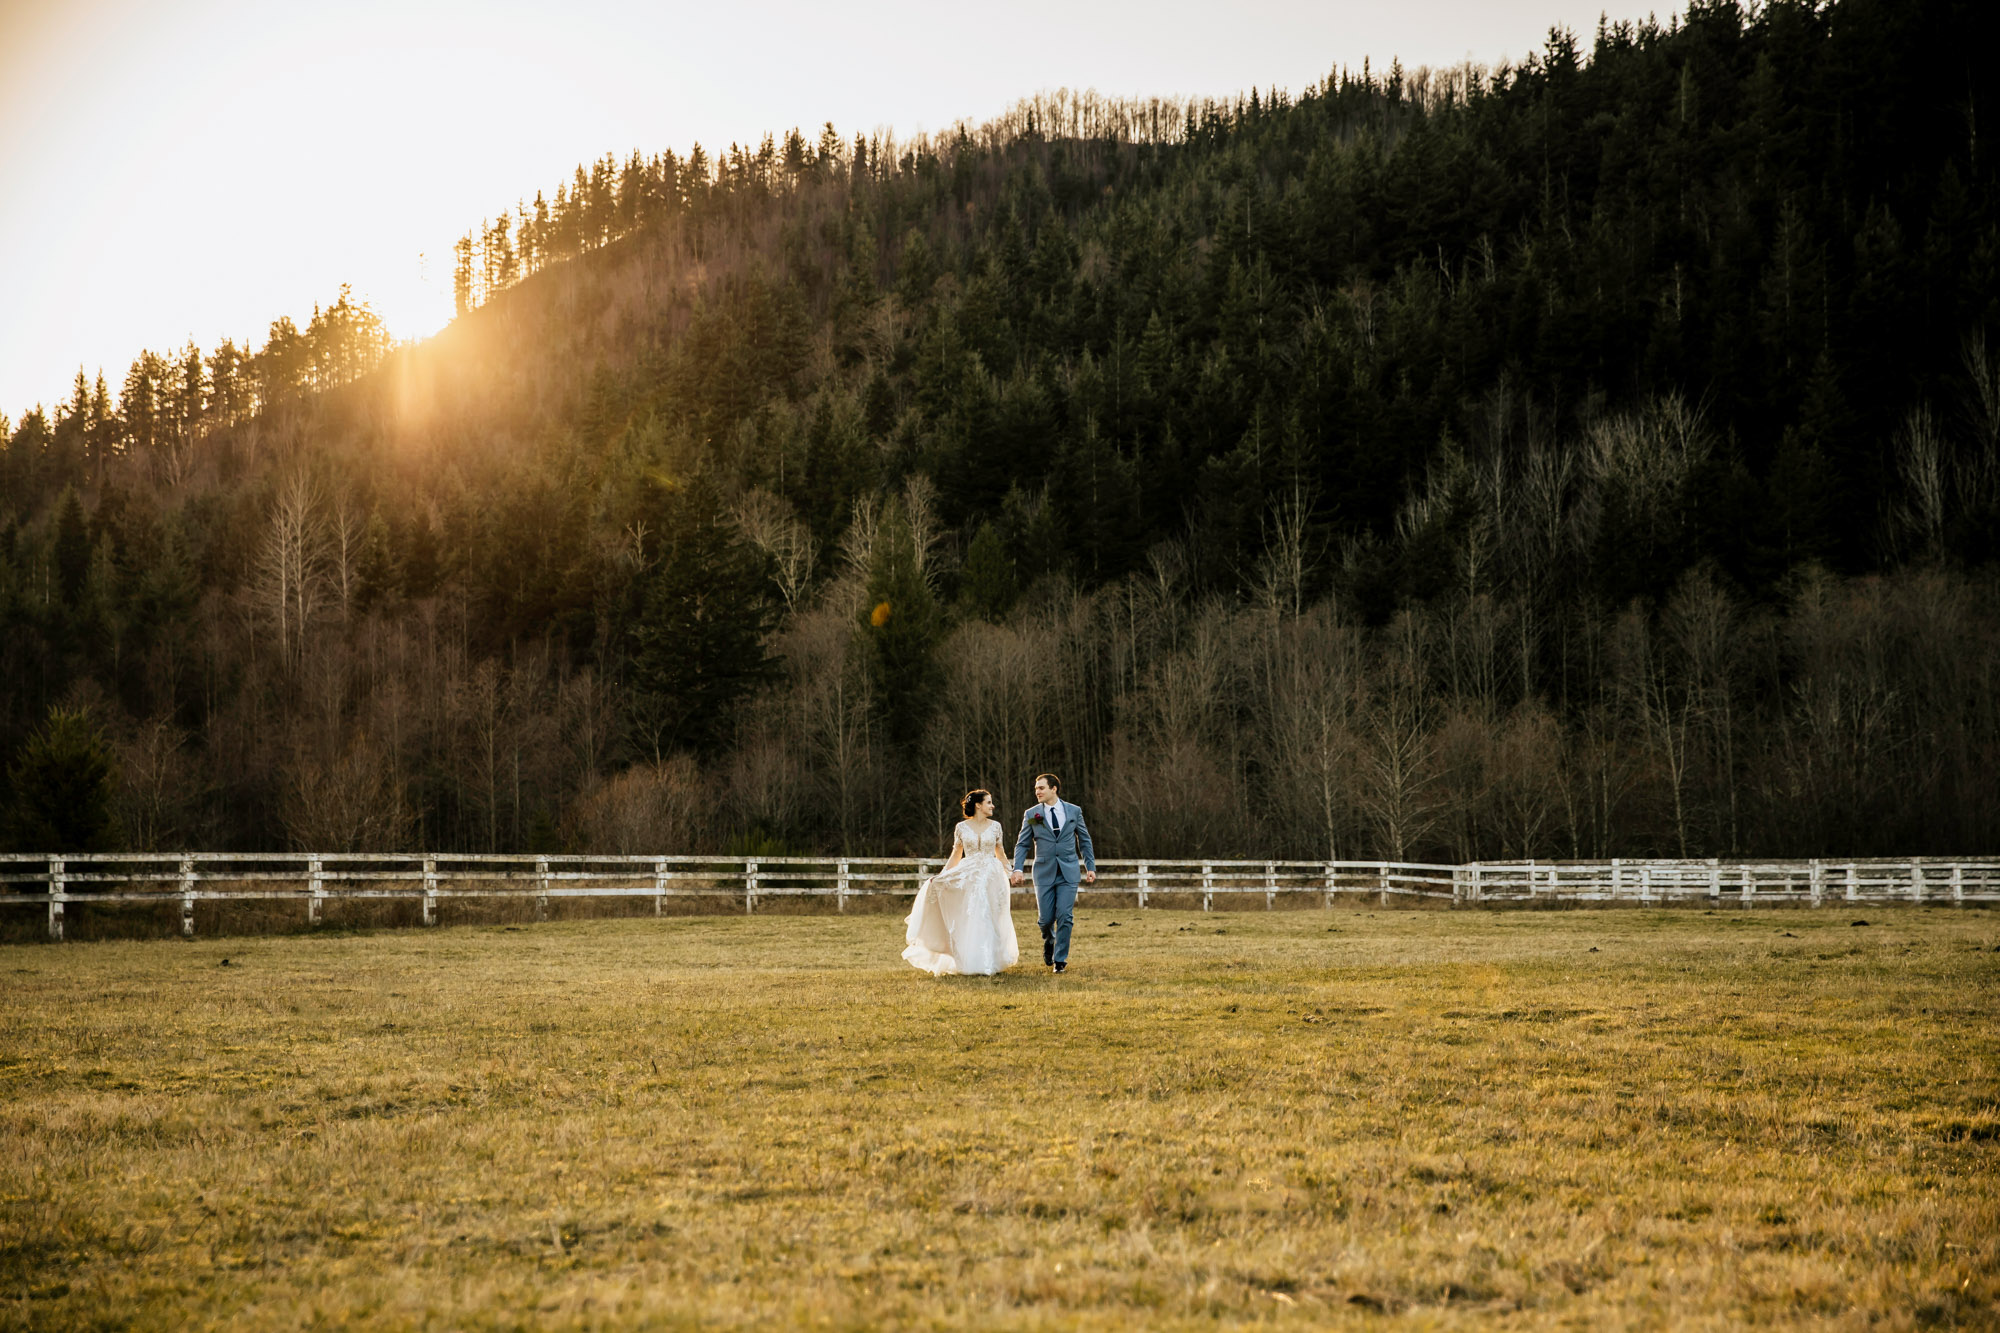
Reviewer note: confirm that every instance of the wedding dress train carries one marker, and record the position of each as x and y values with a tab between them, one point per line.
962	922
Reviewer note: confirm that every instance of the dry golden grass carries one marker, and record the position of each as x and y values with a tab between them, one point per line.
1305	1118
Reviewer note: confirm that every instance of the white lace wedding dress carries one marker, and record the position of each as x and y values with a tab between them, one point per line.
962	923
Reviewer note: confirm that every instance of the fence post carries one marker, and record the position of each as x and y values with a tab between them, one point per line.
315	888
1749	884
430	890
1852	892
1382	872
1916	881
1145	885
1715	880
1478	892
750	885
840	883
541	888
1207	885
1270	885
1815	881
1645	883
187	897
1616	879
55	897
1329	885
1958	886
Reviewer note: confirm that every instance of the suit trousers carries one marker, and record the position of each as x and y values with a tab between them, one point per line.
1056	915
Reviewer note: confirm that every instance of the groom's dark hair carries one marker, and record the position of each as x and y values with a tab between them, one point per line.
1055	783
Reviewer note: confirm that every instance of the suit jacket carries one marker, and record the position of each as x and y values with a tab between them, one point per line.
1058	855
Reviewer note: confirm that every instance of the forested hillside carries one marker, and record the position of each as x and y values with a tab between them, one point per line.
1594	457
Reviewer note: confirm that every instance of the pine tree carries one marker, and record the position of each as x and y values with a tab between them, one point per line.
139	402
72	550
375	575
988	585
915	271
103	429
697	642
462	295
902	625
423	565
229	394
63	784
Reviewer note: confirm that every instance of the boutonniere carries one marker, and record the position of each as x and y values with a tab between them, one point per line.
1037	818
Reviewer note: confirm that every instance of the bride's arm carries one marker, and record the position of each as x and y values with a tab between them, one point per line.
957	851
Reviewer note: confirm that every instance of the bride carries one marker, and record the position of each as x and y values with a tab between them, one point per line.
963	921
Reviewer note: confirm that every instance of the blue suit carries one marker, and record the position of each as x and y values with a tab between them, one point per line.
1060	859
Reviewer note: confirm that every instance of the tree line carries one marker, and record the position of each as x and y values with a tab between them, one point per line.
168	403
1595	456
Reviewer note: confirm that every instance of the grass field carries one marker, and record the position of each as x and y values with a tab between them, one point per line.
1573	1118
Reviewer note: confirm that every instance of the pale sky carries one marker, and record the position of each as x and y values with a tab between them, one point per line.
196	168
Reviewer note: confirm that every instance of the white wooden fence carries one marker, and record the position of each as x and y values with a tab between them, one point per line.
311	880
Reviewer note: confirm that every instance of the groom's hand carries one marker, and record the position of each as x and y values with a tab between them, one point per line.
1090	877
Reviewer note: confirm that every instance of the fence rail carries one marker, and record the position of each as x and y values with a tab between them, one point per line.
313	879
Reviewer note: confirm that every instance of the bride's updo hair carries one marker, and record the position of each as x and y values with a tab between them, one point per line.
970	805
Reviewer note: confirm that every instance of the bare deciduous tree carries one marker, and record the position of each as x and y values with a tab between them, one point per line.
346	527
1927	482
480	707
1702	623
588	712
1308	712
349	803
1523	767
1461	744
1647	459
927	534
1398	768
647	810
833	706
1397	773
1288	558
768	782
1662	703
771	526
290	570
159	788
1982	369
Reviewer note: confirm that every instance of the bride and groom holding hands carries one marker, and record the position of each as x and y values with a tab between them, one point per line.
962	921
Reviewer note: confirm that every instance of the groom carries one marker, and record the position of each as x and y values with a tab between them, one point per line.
1056	830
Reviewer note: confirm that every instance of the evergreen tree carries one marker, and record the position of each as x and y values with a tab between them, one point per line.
375	575
916	271
72	549
422	564
902	625
987	585
63	783
697	639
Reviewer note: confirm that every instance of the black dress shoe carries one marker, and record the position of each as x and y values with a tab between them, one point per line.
1061	968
